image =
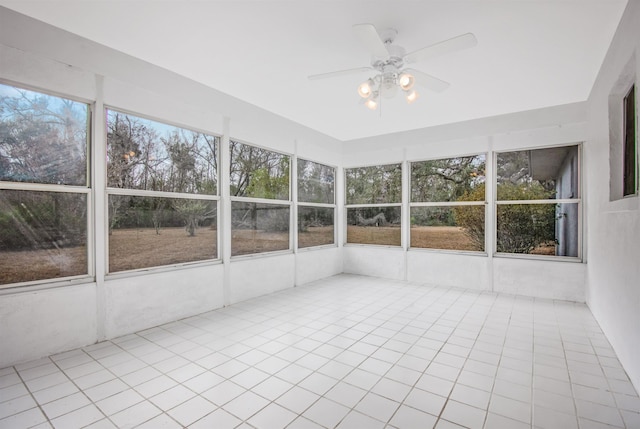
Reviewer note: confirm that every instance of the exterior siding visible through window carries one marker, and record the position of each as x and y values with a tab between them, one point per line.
538	202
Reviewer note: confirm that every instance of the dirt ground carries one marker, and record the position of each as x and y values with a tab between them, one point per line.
25	266
142	248
383	235
315	236
441	237
545	249
430	237
246	241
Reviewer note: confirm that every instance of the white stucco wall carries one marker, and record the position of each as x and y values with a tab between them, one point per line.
39	323
543	279
134	303
613	238
375	261
449	269
315	264
255	276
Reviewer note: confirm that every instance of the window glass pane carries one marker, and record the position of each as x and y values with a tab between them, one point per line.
258	173
452	228
149	232
258	228
449	179
315	226
538	174
539	229
315	182
43	235
150	155
630	162
377	184
43	139
374	225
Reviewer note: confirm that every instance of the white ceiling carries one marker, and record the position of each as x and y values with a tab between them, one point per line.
530	54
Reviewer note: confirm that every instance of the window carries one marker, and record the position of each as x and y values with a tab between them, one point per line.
630	162
448	203
44	186
316	204
538	202
373	203
162	186
260	203
623	134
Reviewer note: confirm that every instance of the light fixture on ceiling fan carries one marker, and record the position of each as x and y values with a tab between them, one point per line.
389	60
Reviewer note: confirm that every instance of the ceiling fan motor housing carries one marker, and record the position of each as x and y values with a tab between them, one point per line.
395	58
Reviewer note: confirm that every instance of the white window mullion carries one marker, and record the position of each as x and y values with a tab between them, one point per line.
44	187
160	194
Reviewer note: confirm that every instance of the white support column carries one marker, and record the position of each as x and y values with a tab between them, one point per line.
99	204
293	219
224	221
406	214
340	220
490	212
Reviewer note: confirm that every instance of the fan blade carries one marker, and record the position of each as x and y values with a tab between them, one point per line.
428	81
467	40
369	37
339	73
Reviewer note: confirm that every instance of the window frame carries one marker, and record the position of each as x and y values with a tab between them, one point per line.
303	204
451	204
578	200
267	201
345	220
86	189
159	194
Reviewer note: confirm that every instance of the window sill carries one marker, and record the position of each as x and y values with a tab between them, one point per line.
624	204
261	255
38	285
161	269
374	246
320	247
571	259
448	251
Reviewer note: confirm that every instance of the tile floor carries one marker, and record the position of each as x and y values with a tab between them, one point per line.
345	352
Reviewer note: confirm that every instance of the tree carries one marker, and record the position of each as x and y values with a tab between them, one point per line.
374	185
521	228
182	176
258	173
447	179
193	212
43	139
315	182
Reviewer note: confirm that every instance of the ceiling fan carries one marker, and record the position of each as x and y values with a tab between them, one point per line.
389	60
